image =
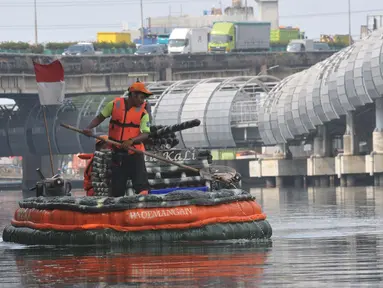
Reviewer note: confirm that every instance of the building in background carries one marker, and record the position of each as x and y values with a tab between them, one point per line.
268	11
237	12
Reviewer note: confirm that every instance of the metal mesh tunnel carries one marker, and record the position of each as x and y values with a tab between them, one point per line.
349	79
222	104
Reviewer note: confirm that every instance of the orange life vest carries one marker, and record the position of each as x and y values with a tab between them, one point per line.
125	125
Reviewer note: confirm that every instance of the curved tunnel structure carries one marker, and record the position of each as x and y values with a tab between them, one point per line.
349	79
220	104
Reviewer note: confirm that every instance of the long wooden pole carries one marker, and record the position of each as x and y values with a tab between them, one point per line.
115	143
49	140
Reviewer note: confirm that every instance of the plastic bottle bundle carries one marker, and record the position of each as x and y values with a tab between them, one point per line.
160	175
163	175
101	172
163	141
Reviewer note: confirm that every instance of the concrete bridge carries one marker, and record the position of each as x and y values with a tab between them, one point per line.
113	74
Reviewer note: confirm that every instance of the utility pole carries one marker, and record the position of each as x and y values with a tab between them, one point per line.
246	9
142	24
349	23
36	39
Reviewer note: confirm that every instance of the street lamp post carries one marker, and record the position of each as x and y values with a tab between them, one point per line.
268	69
349	23
142	23
36	39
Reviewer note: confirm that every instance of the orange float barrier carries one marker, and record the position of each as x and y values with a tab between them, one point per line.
182	217
176	216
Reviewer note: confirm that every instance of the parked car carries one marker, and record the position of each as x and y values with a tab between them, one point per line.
164	47
80	49
154	49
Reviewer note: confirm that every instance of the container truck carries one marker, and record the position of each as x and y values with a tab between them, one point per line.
188	40
240	37
284	34
113	37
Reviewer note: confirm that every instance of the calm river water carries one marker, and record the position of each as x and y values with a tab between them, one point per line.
321	238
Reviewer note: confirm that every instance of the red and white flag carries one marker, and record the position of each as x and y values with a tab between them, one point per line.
50	83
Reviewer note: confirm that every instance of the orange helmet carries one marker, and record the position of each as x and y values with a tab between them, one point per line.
139	87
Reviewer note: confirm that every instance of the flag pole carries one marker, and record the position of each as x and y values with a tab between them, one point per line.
49	140
50	79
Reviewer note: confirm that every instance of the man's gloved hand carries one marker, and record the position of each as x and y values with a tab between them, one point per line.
126	144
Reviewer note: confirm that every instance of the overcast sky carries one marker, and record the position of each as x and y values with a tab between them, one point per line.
65	20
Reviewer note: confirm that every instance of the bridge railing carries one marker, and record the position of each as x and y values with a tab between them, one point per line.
244	113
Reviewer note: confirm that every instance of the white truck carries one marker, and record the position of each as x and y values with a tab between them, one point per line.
300	45
306	45
188	40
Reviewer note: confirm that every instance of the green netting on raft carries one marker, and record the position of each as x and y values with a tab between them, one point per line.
108	204
227	231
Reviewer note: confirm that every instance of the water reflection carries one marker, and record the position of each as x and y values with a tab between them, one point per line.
322	237
175	266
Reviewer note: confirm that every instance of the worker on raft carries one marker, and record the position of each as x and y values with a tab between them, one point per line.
129	125
100	145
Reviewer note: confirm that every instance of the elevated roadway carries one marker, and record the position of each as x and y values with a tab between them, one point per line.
112	74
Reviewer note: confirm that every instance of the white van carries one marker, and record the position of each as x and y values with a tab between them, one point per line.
188	40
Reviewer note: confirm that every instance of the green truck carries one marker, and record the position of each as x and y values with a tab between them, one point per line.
239	37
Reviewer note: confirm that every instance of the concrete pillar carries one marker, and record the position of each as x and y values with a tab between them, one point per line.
343	182
279	182
350	180
332	181
376	180
324	181
317	145
263	70
318	142
322	142
168	74
298	181
245	134
350	142
258	149
377	135
269	182
31	163
280	150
